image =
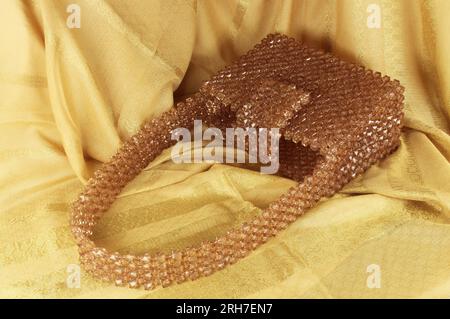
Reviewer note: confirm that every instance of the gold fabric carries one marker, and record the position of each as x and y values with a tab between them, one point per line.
70	96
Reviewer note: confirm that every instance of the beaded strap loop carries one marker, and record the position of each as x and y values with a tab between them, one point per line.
336	120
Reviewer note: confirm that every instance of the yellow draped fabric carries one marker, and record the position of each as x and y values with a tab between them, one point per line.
70	96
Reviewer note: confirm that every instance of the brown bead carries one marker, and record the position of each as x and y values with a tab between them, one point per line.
335	118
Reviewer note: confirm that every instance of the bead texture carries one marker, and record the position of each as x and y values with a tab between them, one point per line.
335	119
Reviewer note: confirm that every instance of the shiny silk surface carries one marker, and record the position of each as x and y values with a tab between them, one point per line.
69	97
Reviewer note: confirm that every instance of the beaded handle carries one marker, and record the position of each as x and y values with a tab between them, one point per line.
164	269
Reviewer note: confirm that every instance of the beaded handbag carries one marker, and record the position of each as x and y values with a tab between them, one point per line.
335	118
